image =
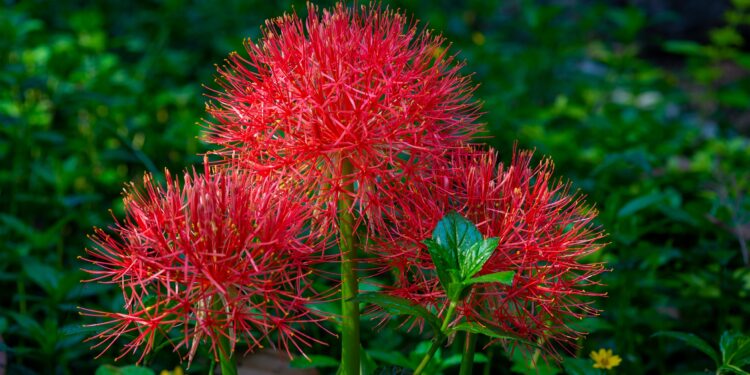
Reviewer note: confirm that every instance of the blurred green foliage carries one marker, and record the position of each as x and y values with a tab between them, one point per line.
94	94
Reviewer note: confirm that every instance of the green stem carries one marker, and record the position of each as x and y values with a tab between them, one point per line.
438	340
488	365
349	282
467	361
227	360
21	296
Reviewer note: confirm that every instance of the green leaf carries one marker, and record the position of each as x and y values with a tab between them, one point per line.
30	327
726	36
456	236
127	370
684	47
400	306
693	341
523	365
459	252
504	277
733	369
735	348
42	275
640	203
455	360
440	257
392	358
18	226
367	363
474	259
314	361
491	332
579	366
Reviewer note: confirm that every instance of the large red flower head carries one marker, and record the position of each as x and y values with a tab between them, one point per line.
221	258
543	230
350	99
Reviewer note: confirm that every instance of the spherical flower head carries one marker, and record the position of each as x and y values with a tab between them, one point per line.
347	98
605	359
219	257
544	231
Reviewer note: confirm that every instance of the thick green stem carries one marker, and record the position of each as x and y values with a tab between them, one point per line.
436	342
467	361
488	365
439	339
227	360
349	282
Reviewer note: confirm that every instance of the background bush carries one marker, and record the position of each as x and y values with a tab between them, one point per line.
643	104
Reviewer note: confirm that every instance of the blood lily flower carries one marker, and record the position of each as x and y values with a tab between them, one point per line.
542	230
350	100
220	258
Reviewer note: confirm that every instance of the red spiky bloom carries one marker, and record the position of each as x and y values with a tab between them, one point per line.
362	87
544	232
222	257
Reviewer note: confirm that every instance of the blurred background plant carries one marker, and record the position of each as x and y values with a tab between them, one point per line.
644	104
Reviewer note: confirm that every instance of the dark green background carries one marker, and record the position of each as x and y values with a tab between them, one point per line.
643	104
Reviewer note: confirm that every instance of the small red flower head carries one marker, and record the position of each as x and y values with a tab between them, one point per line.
357	87
222	257
543	230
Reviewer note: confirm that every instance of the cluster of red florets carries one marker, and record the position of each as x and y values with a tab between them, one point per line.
364	86
350	101
543	233
226	253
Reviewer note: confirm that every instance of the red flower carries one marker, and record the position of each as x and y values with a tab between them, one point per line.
223	257
360	87
544	233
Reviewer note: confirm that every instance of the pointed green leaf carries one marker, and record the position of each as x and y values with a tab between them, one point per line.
731	369
504	277
491	332
459	252
640	203
400	306
46	277
685	47
693	341
456	235
735	348
472	261
440	257
30	327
